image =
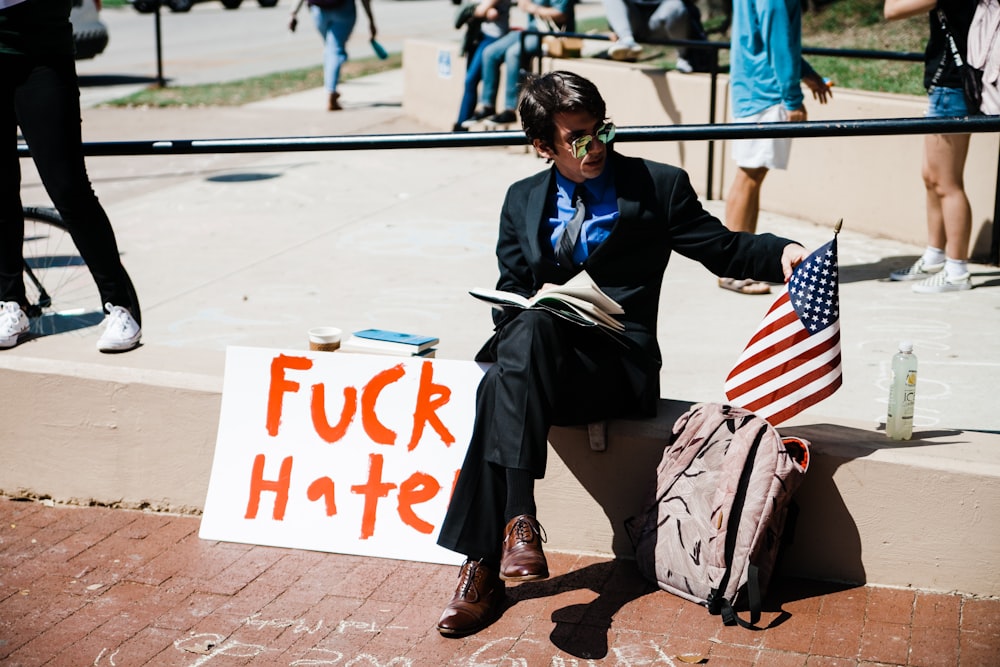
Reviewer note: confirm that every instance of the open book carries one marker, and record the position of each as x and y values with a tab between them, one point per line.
580	300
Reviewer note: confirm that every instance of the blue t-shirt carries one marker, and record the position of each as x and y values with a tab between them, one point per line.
766	65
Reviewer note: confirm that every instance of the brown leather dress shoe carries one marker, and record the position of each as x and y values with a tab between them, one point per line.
478	601
522	558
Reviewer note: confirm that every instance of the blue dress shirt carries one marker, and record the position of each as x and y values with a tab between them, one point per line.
601	200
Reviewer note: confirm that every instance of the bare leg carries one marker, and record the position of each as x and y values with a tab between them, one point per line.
743	199
949	216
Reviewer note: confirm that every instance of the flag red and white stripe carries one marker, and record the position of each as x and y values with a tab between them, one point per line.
793	359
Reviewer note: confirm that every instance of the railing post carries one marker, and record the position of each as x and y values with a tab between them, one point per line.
995	241
521	71
160	83
714	77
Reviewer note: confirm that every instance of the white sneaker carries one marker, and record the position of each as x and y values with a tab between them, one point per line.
625	51
917	271
683	66
121	331
942	282
13	324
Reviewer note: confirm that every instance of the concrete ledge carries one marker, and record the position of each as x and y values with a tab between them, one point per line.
874	183
90	434
865	514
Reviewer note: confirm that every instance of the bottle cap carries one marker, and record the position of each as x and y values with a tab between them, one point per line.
906	346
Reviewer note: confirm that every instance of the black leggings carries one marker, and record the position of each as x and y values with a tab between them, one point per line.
41	95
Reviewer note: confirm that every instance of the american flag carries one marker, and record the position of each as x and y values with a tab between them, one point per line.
793	359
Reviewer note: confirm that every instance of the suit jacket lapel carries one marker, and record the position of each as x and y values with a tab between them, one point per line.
628	202
534	210
628	205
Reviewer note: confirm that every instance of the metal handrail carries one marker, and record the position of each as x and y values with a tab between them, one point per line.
715	47
840	128
729	131
870	54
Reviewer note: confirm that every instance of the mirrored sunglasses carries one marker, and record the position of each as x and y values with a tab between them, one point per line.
605	133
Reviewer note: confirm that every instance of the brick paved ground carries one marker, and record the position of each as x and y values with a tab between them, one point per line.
108	587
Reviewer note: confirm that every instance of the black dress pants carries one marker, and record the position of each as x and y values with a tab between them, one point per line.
546	371
41	95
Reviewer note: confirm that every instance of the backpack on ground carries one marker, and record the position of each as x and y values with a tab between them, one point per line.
710	533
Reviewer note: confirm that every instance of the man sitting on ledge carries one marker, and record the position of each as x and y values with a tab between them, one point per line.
625	216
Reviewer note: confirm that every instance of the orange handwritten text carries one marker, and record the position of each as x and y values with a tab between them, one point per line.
280	487
373	427
323	488
279	385
318	410
430	397
372	490
418	488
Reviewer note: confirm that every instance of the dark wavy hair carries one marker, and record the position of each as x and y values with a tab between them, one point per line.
544	96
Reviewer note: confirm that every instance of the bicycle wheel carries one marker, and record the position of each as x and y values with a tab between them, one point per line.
61	293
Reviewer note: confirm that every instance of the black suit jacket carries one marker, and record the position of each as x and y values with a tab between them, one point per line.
659	214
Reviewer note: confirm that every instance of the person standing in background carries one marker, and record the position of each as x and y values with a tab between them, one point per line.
40	93
943	267
335	21
766	68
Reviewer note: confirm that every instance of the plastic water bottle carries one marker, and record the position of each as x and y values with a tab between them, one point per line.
902	393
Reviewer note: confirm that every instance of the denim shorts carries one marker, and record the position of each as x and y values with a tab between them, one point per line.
946	103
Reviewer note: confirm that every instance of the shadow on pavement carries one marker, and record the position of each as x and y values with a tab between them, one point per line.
94	80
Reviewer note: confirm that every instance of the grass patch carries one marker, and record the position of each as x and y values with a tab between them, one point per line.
858	24
235	93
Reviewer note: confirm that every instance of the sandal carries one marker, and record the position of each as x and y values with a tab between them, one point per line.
746	286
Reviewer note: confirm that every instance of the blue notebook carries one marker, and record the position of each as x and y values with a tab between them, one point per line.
397	339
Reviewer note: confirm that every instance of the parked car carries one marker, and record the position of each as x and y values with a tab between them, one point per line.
89	32
146	6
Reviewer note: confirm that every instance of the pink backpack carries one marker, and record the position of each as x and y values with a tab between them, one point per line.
711	531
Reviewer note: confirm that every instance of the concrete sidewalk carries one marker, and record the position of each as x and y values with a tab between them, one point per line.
255	249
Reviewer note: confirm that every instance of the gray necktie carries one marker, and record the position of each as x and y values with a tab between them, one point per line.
571	232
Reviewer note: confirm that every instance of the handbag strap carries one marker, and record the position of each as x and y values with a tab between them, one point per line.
951	46
951	40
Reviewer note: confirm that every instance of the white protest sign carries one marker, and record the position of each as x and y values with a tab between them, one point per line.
347	453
